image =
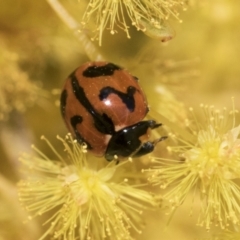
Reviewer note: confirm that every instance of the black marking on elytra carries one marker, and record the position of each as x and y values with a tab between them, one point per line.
63	102
98	71
102	122
75	120
127	98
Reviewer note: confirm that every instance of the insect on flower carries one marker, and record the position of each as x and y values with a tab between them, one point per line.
103	106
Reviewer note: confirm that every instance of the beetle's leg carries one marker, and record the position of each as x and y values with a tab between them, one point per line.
126	141
148	147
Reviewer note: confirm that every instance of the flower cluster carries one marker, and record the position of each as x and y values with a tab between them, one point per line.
147	15
208	163
85	200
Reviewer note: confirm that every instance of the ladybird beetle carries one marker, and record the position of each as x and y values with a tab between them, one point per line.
103	106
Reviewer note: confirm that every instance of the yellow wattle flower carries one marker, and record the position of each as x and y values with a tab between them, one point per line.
208	165
148	16
86	200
